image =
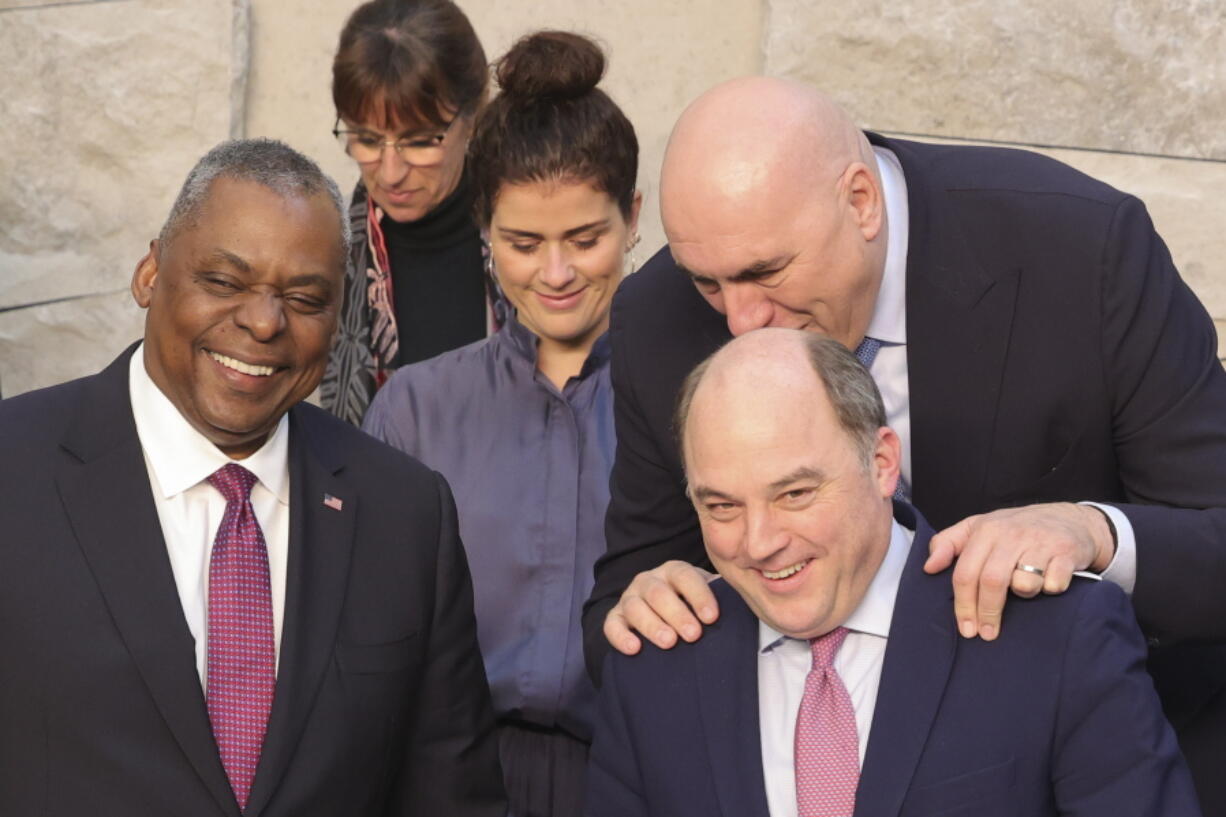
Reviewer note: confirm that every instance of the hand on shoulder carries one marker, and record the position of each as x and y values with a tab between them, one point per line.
661	604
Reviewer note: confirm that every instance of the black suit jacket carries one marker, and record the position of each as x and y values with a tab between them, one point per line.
1053	354
381	705
1048	719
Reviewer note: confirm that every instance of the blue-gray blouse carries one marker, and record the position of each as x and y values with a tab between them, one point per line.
529	467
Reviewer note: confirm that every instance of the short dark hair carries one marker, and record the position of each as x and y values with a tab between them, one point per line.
849	387
266	162
408	61
550	121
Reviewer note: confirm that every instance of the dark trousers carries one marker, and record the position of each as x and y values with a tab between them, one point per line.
545	770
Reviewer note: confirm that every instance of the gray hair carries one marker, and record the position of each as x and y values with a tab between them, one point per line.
268	162
849	387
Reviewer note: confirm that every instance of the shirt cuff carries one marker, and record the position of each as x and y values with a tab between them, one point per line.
1123	568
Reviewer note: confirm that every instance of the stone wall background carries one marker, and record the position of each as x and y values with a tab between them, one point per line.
106	104
104	107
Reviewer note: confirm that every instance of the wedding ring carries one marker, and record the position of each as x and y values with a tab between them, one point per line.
1038	571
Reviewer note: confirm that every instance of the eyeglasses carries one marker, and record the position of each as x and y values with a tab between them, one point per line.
422	150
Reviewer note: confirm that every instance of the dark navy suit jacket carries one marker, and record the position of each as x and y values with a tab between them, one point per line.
381	706
1057	716
1053	354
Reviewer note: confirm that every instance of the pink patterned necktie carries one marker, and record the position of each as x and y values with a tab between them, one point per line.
827	747
242	655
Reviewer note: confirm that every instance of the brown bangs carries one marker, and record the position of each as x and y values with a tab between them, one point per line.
391	90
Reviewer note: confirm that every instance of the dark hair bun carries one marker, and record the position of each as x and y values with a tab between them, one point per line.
550	64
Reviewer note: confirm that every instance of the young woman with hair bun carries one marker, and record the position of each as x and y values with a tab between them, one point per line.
521	424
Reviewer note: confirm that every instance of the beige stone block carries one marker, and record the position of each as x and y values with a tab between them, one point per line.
44	345
661	55
17	4
1135	75
105	107
289	90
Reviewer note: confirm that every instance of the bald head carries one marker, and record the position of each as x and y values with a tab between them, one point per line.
756	136
765	375
772	202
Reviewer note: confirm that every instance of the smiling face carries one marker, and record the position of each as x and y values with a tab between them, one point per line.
558	248
792	516
242	306
407	192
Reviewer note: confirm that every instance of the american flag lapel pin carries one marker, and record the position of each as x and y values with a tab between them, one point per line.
333	502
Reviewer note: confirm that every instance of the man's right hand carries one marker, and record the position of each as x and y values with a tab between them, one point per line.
670	600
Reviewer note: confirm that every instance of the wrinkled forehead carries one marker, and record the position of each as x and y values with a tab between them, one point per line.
270	217
724	248
735	217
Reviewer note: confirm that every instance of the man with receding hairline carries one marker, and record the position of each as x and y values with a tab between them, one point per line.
834	682
1054	384
214	598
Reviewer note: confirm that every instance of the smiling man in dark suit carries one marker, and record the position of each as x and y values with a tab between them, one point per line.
834	682
215	599
1033	342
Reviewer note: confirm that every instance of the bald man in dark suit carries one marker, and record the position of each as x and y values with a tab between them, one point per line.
1034	343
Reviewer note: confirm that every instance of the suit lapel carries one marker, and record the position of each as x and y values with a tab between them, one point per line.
918	658
320	545
959	318
109	503
727	680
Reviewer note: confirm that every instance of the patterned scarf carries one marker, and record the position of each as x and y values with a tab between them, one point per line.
367	341
384	339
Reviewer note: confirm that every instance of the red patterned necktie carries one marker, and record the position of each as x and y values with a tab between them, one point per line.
827	747
242	653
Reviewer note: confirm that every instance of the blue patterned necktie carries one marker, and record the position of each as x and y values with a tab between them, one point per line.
866	353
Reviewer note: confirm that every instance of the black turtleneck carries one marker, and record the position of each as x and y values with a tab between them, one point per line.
438	285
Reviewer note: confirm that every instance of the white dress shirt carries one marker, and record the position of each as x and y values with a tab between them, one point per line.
179	460
784	663
889	321
889	325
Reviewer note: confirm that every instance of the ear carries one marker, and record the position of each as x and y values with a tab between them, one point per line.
144	278
636	205
865	199
887	461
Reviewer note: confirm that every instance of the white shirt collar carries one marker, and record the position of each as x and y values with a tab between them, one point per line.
180	456
889	321
876	609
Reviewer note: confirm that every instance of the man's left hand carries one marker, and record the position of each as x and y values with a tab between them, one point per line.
1051	540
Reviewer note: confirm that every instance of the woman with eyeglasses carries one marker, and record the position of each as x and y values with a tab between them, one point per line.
521	424
408	79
